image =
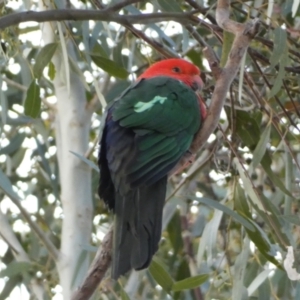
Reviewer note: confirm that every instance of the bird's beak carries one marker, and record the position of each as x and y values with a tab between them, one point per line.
197	84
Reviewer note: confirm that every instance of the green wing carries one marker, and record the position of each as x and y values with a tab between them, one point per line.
164	115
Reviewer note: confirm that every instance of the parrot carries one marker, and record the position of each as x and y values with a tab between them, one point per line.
147	130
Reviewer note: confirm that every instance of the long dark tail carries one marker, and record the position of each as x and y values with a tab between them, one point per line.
137	230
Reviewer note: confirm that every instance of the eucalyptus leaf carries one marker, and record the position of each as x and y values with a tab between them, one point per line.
15	268
190	283
169	5
109	66
32	105
226	210
280	43
160	275
87	161
261	146
43	58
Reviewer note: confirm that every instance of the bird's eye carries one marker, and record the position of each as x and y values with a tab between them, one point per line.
176	70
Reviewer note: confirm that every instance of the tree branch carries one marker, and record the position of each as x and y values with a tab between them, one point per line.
84	15
244	33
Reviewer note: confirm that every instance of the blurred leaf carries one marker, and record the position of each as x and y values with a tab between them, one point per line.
266	164
32	105
291	219
169	5
281	75
109	66
16	268
228	38
123	294
258	280
10	284
99	51
160	275
6	185
43	58
51	70
174	231
239	291
247	128
87	161
14	145
261	146
208	240
3	104
226	210
190	283
249	188
280	43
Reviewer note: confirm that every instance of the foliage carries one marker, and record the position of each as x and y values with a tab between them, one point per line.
228	218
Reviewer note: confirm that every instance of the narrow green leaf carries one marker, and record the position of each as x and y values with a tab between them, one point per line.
98	50
51	70
124	295
43	58
160	275
9	286
280	43
87	161
15	268
266	164
14	145
228	38
228	211
109	66
239	291
32	103
291	219
258	280
261	146
189	283
174	231
169	5
6	185
249	187
281	74
240	201
3	104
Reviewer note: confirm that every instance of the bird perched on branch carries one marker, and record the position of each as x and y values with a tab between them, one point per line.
147	131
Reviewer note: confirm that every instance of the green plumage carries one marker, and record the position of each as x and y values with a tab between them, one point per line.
165	129
148	129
